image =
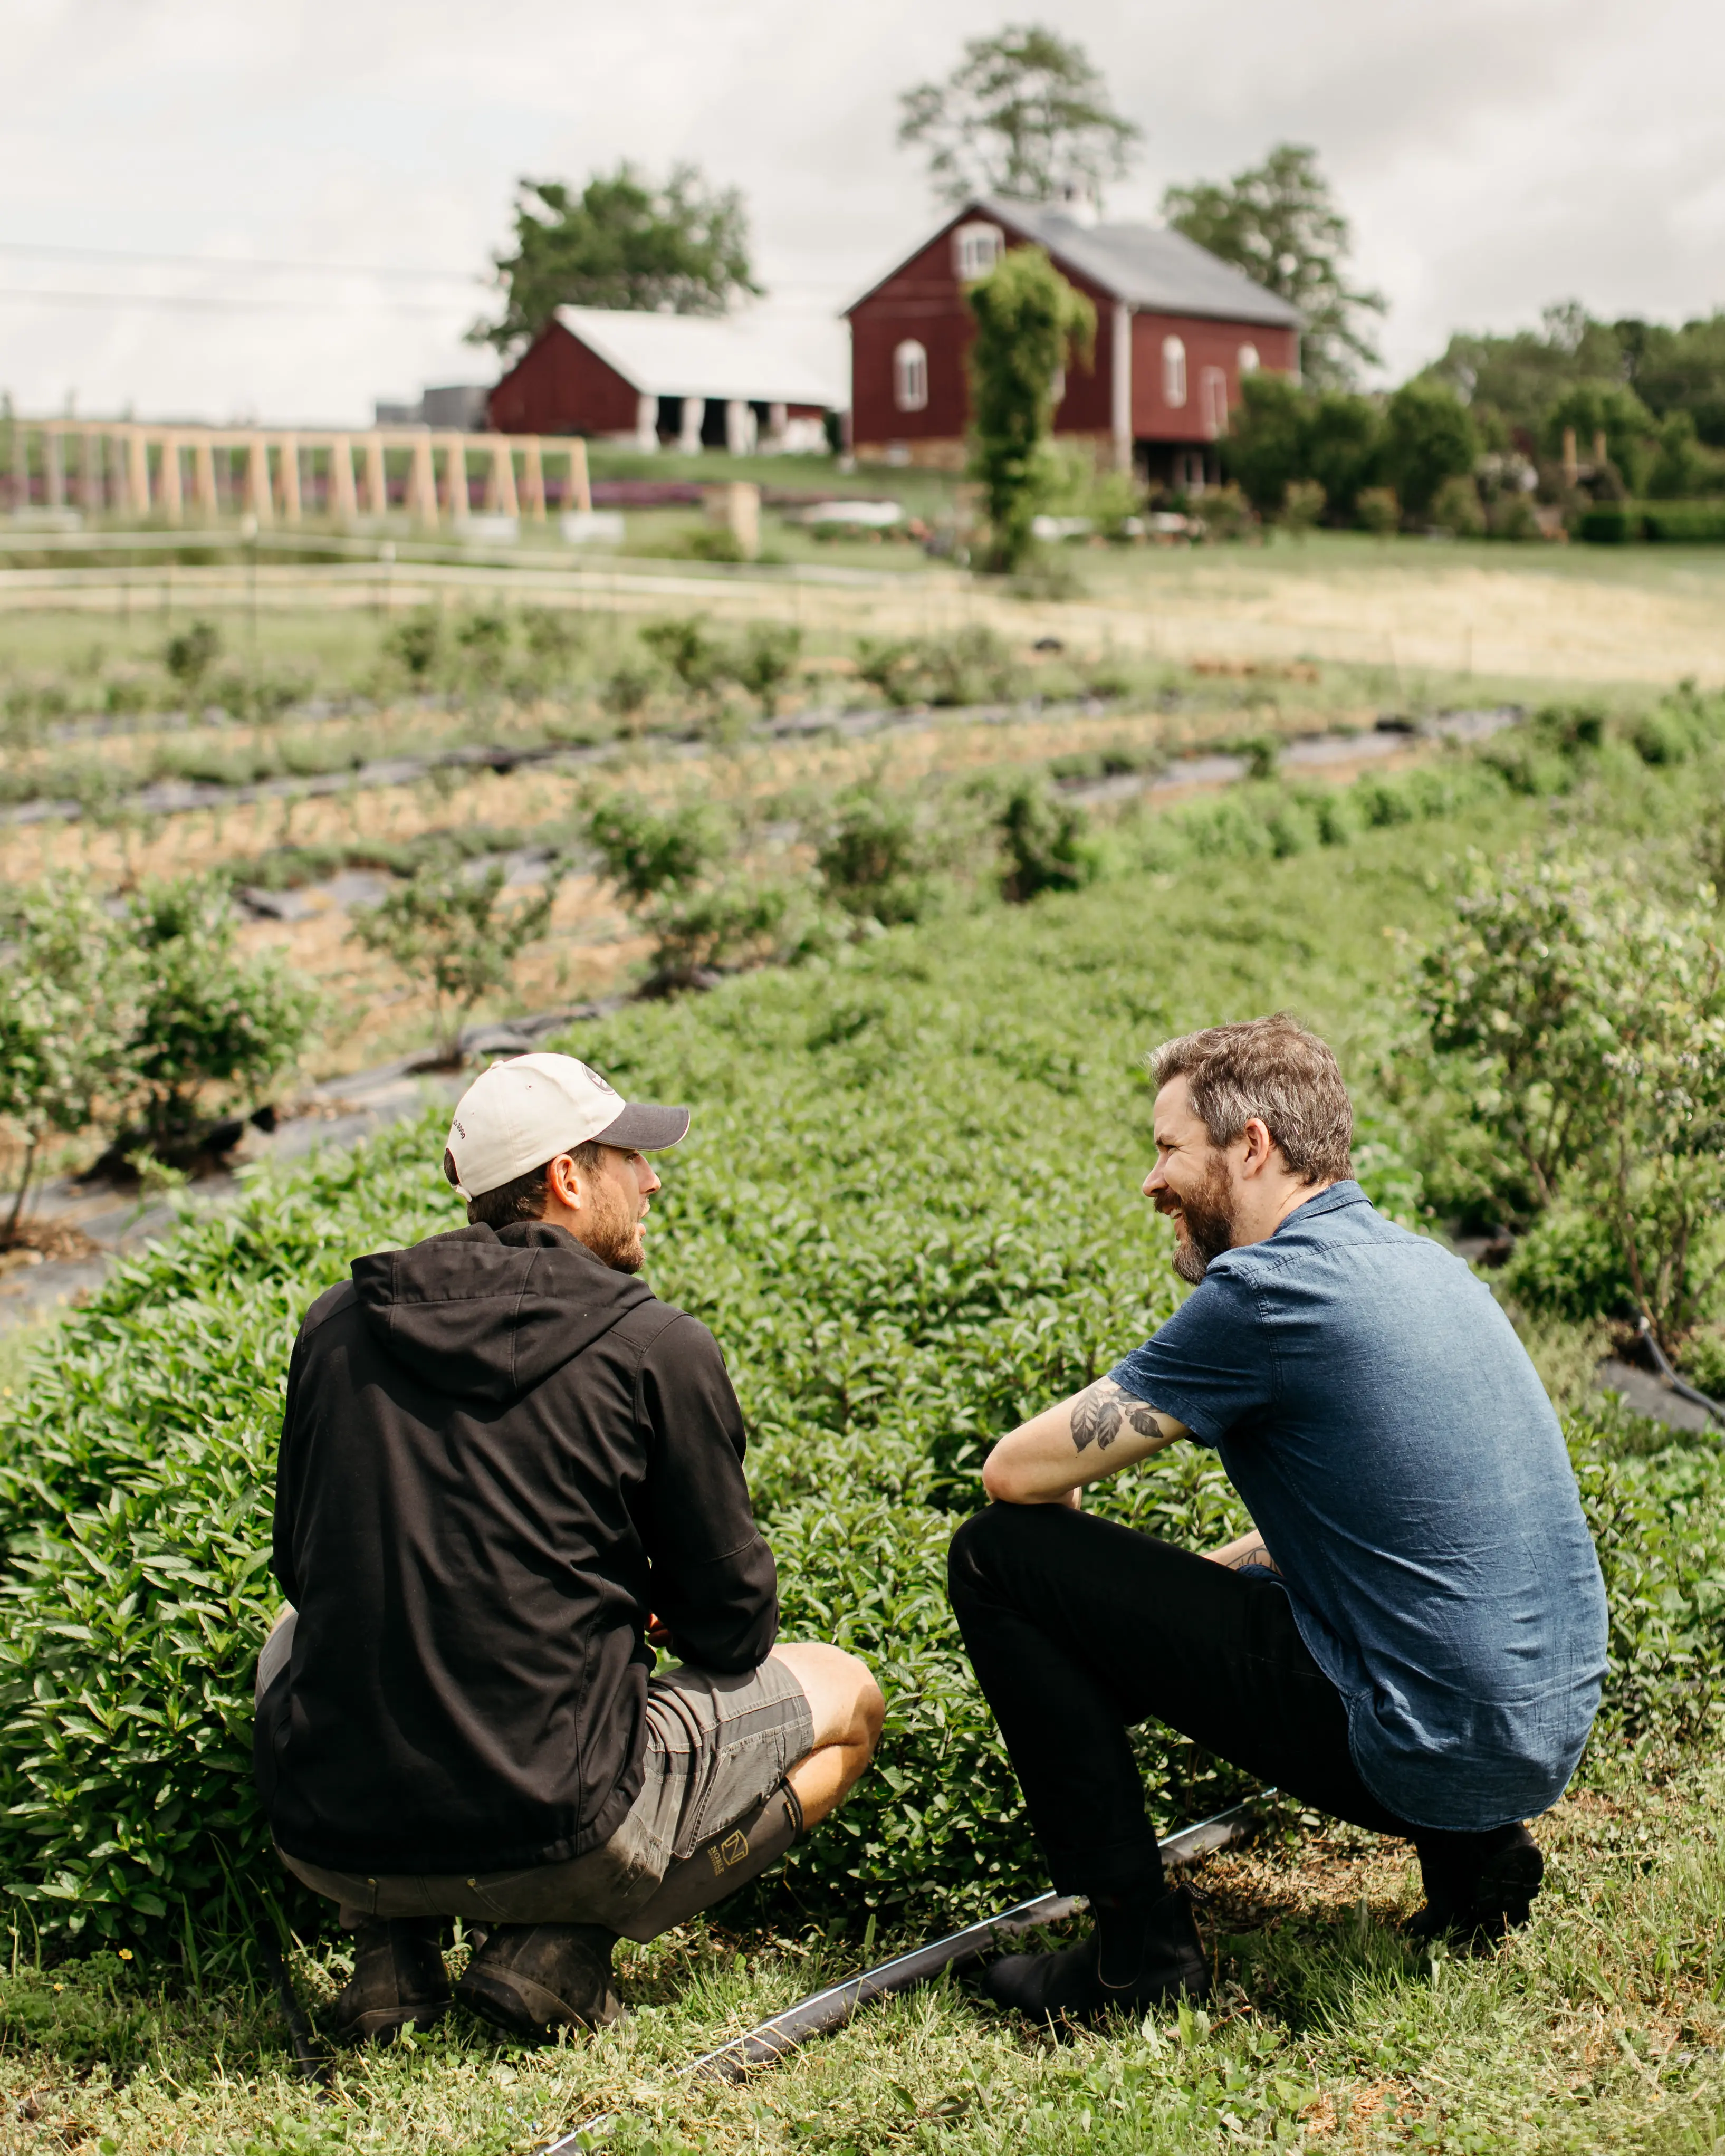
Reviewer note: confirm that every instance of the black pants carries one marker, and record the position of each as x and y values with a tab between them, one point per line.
1078	1629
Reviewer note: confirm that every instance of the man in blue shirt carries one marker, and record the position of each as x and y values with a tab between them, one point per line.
1412	1636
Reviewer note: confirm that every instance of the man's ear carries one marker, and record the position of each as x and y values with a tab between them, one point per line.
1261	1147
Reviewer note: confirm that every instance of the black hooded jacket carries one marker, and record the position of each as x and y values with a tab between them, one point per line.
498	1455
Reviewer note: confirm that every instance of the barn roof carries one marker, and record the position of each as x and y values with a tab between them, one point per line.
1146	265
719	358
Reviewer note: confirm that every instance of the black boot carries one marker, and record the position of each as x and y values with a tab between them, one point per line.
531	1979
399	1977
1141	1954
1475	1894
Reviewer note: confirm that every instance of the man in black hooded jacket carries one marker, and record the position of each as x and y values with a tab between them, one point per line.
503	1465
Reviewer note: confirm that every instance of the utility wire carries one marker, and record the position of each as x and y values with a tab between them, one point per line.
41	249
199	303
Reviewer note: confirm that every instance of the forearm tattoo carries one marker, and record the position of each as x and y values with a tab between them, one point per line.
1100	1408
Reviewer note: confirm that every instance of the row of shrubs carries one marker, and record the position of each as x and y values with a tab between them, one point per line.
1674	523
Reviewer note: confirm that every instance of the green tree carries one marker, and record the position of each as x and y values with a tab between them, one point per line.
1683	465
1267	447
1278	222
1030	323
208	1017
1429	437
446	928
682	248
1344	449
68	993
1025	115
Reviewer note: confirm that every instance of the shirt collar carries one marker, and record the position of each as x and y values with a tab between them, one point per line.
1345	1193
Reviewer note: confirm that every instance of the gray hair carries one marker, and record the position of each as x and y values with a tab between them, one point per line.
1273	1069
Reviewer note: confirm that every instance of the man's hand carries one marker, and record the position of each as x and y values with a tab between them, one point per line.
1095	1434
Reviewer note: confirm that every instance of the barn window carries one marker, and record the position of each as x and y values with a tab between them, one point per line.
910	377
1173	371
1248	361
1214	399
976	248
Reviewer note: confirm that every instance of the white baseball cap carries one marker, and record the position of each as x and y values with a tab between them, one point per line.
526	1111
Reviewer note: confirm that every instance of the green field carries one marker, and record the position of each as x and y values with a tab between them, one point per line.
909	1209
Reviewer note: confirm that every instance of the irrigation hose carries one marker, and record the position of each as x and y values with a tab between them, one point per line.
1713	1407
823	2011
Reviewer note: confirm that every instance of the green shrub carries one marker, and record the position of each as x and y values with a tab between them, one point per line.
1302	504
446	930
1569	1266
1042	842
213	1025
189	654
1456	507
1685	523
1609	524
416	644
69	1006
647	853
969	665
873	859
1379	511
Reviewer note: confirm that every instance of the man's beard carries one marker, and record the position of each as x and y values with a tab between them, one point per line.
615	1238
1208	1219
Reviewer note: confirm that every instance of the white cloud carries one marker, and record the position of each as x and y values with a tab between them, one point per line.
1494	154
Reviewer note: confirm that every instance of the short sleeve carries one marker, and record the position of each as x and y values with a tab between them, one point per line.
1209	1366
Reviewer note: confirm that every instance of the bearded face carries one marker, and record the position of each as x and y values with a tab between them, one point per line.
1203	1220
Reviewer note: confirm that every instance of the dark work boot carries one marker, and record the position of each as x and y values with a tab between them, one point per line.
1474	1895
1140	1953
399	1977
532	1979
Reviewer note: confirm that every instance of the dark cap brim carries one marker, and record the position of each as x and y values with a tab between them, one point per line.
643	1127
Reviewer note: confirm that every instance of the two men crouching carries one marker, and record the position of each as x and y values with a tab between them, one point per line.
505	1466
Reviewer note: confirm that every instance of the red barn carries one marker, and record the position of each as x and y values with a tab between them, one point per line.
1176	329
691	381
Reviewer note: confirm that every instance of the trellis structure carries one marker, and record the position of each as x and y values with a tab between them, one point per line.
205	474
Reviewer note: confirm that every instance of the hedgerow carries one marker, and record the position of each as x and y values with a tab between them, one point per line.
909	1210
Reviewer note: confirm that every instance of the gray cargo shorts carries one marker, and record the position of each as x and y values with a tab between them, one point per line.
717	1747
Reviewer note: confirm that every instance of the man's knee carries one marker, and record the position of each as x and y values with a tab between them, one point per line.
845	1702
985	1550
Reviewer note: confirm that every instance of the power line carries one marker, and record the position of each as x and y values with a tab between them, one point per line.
44	248
196	303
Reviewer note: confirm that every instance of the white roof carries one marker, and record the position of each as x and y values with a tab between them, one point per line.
751	356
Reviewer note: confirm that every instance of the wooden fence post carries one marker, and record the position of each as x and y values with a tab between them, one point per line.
377	483
422	486
171	499
259	496
288	451
343	502
532	479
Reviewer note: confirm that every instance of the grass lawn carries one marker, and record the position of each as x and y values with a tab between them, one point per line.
1600	2027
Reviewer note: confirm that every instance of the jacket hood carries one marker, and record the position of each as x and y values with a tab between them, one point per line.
488	1316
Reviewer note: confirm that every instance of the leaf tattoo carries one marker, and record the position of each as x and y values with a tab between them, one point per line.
1102	1408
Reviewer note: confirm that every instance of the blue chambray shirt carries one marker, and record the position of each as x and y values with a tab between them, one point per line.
1372	1406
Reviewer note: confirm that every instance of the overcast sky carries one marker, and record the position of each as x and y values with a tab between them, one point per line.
1494	154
